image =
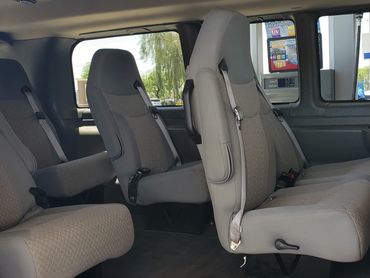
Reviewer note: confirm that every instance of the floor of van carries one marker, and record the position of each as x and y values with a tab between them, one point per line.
159	254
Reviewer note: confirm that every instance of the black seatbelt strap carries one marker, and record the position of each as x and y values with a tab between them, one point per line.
40	197
133	183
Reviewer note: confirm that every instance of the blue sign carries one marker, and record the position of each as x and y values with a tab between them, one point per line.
366	56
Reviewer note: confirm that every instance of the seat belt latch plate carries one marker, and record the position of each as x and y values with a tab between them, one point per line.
235	245
238	116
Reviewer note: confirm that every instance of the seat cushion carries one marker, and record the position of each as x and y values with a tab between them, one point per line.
329	221
69	179
359	168
183	184
63	242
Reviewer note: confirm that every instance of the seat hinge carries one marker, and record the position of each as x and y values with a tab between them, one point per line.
133	183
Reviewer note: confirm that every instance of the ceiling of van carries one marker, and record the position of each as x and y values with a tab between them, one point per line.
71	18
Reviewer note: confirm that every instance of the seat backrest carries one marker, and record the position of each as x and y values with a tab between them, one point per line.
131	135
20	116
225	36
24	153
15	182
287	156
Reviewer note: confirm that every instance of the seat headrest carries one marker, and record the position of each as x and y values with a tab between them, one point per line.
114	71
12	79
224	35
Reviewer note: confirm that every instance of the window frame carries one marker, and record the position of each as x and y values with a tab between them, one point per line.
123	33
276	18
336	12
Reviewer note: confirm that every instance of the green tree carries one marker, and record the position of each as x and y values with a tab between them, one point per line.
363	76
151	85
168	76
85	70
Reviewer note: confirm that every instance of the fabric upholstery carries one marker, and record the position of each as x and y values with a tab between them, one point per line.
22	129
287	156
57	242
25	125
12	79
336	171
17	110
63	242
76	176
132	137
25	154
328	218
188	180
153	151
15	181
216	123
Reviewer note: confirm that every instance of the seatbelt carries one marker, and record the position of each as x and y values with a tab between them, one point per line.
235	224
284	123
44	124
158	119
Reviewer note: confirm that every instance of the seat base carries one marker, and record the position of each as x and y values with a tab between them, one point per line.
183	184
348	170
176	217
64	242
328	221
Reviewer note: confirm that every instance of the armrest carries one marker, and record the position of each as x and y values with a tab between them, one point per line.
73	177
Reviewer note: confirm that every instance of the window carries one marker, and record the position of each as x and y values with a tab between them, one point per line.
344	47
275	59
158	57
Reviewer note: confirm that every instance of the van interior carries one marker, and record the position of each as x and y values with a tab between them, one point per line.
184	138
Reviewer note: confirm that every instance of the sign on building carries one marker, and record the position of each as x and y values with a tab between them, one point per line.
366	45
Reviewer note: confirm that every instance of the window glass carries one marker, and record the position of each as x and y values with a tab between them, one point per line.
158	57
275	59
344	47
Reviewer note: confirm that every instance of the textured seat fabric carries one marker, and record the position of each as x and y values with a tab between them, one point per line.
132	137
24	132
288	158
63	242
57	242
326	219
329	220
188	178
76	176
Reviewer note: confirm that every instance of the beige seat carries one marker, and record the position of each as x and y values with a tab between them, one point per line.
56	242
133	137
242	147
288	157
50	166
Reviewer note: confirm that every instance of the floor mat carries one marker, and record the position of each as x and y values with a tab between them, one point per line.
158	254
163	254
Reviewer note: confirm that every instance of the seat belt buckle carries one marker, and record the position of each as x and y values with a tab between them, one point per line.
154	111
288	178
277	113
